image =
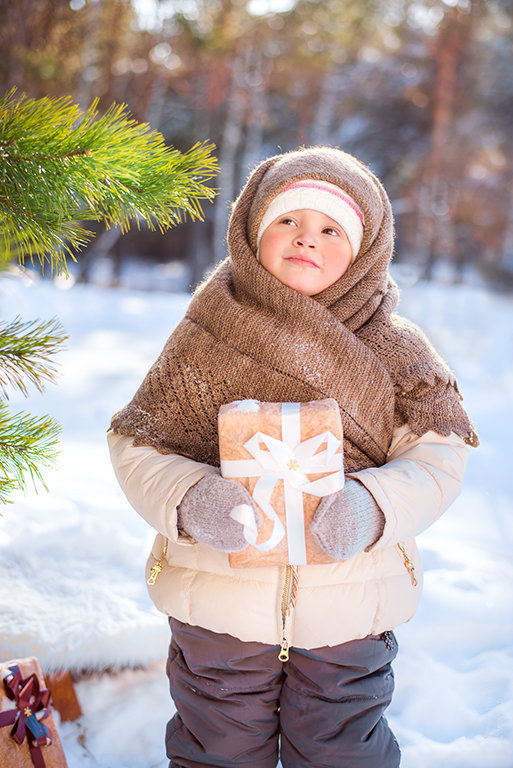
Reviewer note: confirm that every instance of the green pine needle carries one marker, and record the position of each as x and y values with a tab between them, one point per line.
27	444
25	352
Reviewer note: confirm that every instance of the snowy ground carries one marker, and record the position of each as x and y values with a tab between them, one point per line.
71	562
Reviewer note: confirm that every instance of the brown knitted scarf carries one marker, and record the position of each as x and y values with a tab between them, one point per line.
246	335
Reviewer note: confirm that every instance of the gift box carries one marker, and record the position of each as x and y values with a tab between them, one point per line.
28	733
288	456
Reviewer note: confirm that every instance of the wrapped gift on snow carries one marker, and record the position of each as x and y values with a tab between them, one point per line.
288	456
28	733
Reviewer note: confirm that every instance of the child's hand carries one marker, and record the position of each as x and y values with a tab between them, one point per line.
348	521
204	513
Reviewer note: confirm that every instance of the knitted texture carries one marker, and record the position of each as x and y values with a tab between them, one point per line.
347	522
246	335
204	513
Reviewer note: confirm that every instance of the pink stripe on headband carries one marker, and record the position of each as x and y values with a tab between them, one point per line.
310	185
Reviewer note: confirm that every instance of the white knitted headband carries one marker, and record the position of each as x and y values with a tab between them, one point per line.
318	196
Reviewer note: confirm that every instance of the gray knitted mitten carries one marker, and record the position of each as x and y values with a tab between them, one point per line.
348	521
204	513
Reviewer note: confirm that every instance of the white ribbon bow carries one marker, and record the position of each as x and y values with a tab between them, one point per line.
290	460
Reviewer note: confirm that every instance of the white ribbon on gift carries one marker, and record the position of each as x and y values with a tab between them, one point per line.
290	460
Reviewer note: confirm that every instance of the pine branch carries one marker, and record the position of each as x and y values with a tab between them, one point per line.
59	166
25	352
26	445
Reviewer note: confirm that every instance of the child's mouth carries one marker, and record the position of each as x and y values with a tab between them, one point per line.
302	261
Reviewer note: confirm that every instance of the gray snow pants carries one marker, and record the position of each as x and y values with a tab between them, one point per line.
238	705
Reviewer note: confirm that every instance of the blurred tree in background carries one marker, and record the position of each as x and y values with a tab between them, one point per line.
421	91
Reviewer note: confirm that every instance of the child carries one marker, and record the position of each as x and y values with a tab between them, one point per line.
302	309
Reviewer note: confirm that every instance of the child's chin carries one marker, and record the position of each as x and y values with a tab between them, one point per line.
300	287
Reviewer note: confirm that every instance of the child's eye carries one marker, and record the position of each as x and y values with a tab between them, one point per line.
330	231
289	221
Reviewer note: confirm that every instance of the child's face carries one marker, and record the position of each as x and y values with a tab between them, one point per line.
305	250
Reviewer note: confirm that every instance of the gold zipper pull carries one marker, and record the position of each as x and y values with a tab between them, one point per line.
284	651
154	572
408	565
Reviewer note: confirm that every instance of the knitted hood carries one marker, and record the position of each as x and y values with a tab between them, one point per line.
359	291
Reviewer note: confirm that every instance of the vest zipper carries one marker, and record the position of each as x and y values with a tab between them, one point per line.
157	567
408	565
285	599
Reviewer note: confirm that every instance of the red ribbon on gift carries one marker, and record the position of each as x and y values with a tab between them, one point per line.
29	699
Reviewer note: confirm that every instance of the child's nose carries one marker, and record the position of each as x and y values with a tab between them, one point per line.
306	239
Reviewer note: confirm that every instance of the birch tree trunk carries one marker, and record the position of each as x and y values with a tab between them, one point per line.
230	143
327	106
256	113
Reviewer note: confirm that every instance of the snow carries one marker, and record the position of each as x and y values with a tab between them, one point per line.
72	588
